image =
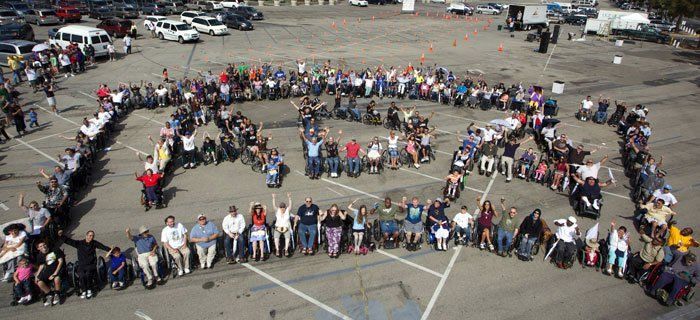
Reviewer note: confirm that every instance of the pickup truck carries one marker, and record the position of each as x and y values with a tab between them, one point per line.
644	33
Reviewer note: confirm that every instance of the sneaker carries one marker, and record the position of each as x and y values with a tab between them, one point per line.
553	187
609	271
83	295
56	299
22	300
180	272
620	275
159	280
89	294
115	284
490	247
27	298
149	283
596	206
416	165
47	300
482	246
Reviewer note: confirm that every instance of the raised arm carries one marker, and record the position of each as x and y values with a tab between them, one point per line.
350	206
21	201
295	105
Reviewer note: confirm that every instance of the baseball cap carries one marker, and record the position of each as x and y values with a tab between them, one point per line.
661	171
572	219
668	187
200	216
232	209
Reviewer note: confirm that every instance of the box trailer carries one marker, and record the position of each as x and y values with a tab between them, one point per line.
527	17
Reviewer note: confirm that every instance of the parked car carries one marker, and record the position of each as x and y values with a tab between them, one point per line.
662	25
116	28
187	16
41	16
126	3
359	3
97	4
68	14
200	6
644	33
486	9
231	4
249	13
15	47
126	12
460	9
151	9
174	7
149	23
216	5
81	6
556	18
20	8
576	19
52	32
7	16
588	11
175	30
237	22
101	13
209	25
16	30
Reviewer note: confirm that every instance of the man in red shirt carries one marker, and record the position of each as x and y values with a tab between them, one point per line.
353	149
150	183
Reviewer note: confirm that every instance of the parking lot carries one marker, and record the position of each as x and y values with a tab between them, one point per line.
388	284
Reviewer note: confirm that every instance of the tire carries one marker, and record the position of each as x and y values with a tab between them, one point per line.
211	33
160	36
180	40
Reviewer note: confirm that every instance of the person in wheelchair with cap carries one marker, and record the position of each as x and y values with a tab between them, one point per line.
565	247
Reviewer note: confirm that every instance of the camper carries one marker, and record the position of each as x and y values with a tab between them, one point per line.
82	35
610	22
527	17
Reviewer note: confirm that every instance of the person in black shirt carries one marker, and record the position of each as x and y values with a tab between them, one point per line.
332	154
51	264
307	215
509	155
87	259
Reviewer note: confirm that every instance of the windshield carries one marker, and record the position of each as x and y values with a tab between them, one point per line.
182	27
25	48
214	22
73	11
99	3
7	14
20	6
125	24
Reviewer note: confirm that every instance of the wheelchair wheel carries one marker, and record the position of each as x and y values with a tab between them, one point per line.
71	275
366	119
535	248
167	260
376	231
257	165
102	272
246	157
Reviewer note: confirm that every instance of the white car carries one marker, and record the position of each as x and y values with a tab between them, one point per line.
187	16
359	3
150	22
209	25
231	4
175	30
216	5
437	1
483	9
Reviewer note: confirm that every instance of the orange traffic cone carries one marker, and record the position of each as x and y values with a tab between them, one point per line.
345	23
422	58
500	47
476	31
454	42
431	48
333	25
466	37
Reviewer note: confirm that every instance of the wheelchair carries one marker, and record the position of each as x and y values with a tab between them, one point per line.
386	160
264	252
316	242
533	251
600	257
346	167
128	274
452	190
247	156
581	209
365	247
340	113
159	199
431	239
498	244
101	277
584	115
138	273
390	124
369	119
391	242
366	166
599	120
551	108
570	261
686	293
292	236
494	168
461	238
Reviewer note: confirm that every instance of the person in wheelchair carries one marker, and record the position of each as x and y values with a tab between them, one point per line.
146	253
359	225
233	226
425	134
488	157
507	229
333	219
656	213
485	223
387	221
413	223
462	225
209	149
527	159
188	147
375	117
601	114
682	271
22	286
591	254
584	111
452	182
652	254
87	260
174	239
353	108
228	146
117	262
441	229
589	191
258	234
51	264
565	246
374	154
392	115
283	224
271	173
618	244
151	185
530	230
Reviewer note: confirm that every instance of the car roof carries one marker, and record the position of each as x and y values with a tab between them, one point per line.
17	42
157	17
171	21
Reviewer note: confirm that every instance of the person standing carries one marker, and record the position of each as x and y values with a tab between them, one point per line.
127	44
87	260
174	238
51	97
204	235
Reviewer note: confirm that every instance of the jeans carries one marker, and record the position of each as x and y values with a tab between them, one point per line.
599	116
226	98
151	194
119	277
356	113
333	164
508	236
271	178
23	288
240	247
16	76
206	255
162	100
353	165
664	280
466	232
311	229
526	246
313	163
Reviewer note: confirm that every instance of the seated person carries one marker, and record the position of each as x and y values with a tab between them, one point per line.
540	171
441	229
150	182
14	246
591	253
531	228
679	239
272	170
565	247
51	264
602	112
453	181
657	214
462	157
682	270
372	112
652	253
387	221
117	262
23	282
560	147
618	244
462	224
589	190
209	147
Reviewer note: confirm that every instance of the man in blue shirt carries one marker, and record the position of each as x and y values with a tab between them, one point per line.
414	222
313	160
204	235
279	74
146	246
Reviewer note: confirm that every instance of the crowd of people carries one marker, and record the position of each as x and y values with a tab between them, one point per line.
350	229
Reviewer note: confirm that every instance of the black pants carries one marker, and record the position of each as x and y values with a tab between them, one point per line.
635	265
86	276
564	251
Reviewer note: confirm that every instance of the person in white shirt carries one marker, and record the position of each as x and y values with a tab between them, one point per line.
149	164
233	226
618	245
301	66
585	109
89	129
489	133
565	246
283	225
665	194
174	238
71	159
188	148
462	225
549	133
591	169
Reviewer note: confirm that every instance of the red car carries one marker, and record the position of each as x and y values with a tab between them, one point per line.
116	27
68	14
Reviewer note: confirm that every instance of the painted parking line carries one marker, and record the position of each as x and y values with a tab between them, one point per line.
412	264
57	115
296	292
37	150
132	148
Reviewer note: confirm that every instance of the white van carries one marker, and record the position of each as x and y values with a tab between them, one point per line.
175	30
83	35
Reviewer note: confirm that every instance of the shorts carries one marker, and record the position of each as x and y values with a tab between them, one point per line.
413	227
45	274
373	154
658	222
51	101
389	226
394	153
198	114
